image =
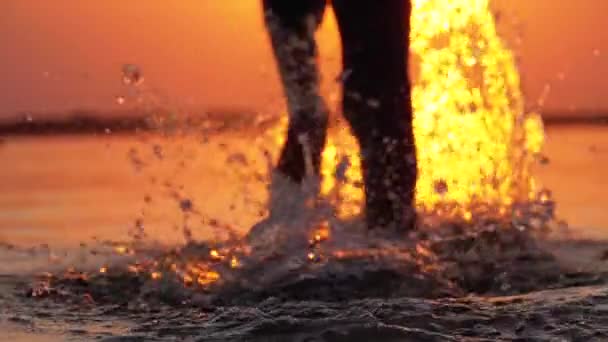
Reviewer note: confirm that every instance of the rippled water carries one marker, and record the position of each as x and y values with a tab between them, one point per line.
62	191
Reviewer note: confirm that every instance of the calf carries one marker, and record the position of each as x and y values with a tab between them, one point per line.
376	97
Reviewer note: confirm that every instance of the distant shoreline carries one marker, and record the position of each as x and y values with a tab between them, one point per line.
135	122
127	122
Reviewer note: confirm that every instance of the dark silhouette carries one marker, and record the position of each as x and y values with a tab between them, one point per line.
376	97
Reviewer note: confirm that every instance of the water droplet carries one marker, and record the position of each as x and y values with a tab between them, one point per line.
138	231
545	195
120	100
543	160
344	76
215	254
234	262
237	158
373	103
596	52
441	187
158	151
342	168
132	75
186	205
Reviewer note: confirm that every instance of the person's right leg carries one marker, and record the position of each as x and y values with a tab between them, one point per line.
292	25
377	104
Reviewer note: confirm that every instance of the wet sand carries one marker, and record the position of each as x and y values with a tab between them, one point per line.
16	333
576	313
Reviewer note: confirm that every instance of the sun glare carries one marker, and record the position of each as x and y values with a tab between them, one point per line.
475	142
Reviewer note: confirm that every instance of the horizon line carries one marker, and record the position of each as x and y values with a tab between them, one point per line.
130	121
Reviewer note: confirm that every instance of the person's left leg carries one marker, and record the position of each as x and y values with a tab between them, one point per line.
291	25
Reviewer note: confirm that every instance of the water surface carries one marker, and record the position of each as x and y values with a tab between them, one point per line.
64	190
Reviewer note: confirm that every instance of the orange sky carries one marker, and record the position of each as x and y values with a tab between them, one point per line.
65	54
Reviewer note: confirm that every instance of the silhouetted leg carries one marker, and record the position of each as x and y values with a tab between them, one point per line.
292	25
377	104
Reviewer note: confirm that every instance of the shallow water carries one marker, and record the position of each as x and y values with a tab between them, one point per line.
571	314
62	191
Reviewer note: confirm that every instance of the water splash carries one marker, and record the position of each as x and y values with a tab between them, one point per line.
476	144
473	135
132	75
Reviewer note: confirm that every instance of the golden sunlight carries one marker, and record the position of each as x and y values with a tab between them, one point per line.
475	143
